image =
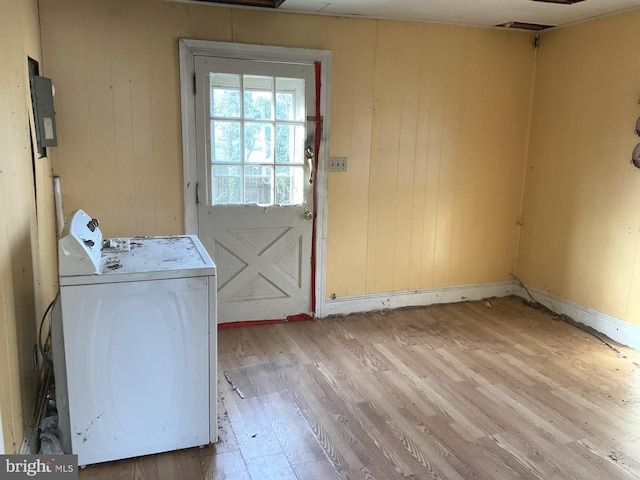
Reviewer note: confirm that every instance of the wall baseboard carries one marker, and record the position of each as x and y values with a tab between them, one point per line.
416	298
618	330
614	328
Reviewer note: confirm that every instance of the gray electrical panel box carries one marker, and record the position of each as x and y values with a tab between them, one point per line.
43	112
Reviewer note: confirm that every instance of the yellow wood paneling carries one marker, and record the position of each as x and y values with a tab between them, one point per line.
352	95
254	26
433	102
202	24
432	118
127	156
101	122
142	162
489	176
14	168
27	246
445	212
72	107
580	234
124	203
359	88
383	166
165	104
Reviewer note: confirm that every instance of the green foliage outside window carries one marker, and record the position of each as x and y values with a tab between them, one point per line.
266	142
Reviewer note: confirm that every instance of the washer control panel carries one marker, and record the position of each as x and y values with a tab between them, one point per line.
80	245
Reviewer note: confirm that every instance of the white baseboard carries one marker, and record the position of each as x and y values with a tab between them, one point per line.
415	298
614	328
618	330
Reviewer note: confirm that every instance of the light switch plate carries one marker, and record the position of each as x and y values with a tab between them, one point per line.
337	164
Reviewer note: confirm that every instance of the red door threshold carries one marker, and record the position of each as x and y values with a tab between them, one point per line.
300	317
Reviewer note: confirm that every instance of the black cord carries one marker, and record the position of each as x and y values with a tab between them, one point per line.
570	320
525	289
45	357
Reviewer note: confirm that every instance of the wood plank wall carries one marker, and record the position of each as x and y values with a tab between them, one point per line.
432	118
581	228
28	270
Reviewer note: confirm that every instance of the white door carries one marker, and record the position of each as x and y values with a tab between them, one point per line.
255	122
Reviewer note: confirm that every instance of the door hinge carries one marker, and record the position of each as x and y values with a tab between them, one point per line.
194	84
197	193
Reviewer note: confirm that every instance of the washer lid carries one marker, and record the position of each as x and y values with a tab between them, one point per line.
148	258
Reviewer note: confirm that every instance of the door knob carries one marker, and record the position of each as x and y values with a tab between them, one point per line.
307	215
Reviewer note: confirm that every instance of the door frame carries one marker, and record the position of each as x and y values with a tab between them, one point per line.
189	49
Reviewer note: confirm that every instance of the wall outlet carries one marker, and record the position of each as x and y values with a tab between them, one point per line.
337	164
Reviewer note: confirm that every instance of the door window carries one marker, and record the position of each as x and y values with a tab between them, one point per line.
257	138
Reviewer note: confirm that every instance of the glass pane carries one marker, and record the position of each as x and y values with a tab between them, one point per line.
258	142
284	106
247	141
290	143
225	142
258	184
226	184
289	185
290	103
225	95
258	98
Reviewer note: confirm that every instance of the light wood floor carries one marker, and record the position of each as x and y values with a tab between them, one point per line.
461	391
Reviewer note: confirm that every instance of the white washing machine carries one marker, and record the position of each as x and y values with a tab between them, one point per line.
134	338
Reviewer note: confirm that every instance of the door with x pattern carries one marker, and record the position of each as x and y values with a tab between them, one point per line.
255	126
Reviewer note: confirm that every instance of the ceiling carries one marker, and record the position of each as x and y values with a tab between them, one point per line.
465	12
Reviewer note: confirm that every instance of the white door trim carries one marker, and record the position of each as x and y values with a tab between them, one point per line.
189	49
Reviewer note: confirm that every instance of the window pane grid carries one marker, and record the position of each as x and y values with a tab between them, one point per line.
258	126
